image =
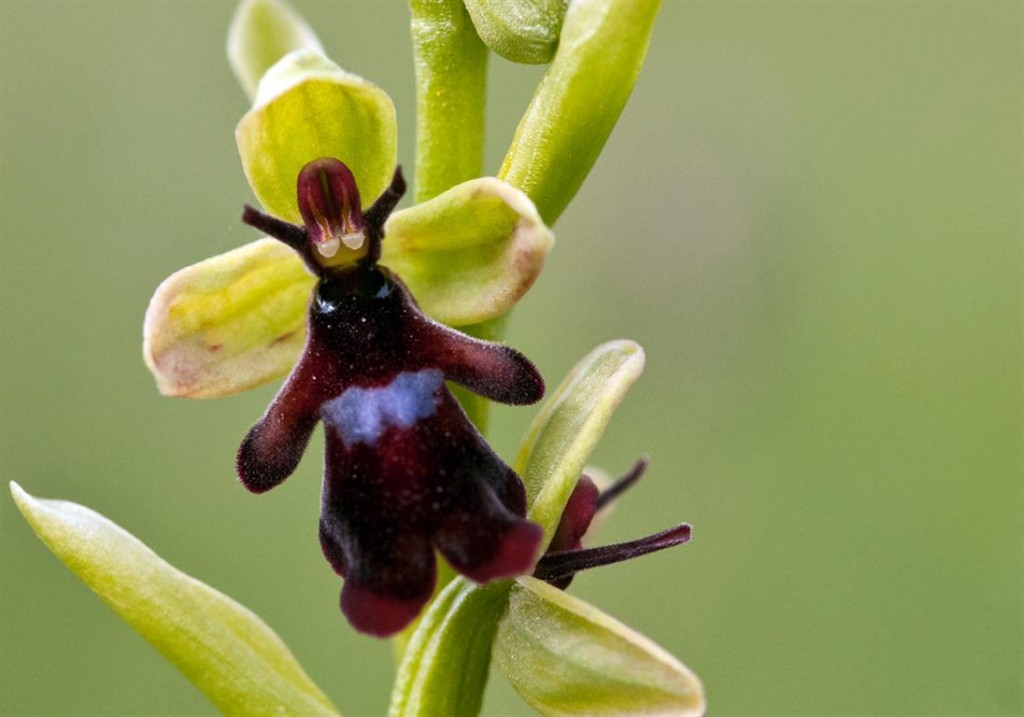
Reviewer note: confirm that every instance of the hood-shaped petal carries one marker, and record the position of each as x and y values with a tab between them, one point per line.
469	254
306	108
228	323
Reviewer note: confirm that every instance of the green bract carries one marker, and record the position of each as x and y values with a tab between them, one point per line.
566	657
225	650
457	630
519	30
262	32
600	53
569	425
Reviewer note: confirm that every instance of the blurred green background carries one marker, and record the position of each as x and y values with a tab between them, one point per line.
810	215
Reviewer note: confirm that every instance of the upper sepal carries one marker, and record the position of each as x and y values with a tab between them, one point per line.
469	254
603	667
261	33
306	108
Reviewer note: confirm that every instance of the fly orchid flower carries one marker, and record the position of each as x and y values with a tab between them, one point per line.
405	470
376	379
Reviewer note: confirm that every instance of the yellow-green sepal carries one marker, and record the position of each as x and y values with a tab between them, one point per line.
469	254
565	432
228	323
224	649
261	33
601	667
307	108
519	30
601	49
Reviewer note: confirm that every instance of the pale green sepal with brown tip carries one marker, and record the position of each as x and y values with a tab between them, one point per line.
519	30
224	649
307	108
565	657
445	665
469	254
600	52
570	423
261	33
228	323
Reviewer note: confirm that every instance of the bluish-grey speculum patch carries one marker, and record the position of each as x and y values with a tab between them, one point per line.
361	415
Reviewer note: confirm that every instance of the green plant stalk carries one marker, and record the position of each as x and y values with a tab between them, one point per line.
451	87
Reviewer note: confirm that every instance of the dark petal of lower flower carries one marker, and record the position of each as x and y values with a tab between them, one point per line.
576	518
622	484
558	566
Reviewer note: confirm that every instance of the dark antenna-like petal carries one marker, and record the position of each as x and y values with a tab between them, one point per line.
555	567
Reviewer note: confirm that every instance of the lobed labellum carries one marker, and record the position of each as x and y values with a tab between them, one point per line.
405	471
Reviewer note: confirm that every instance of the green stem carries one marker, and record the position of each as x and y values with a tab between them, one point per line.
451	84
